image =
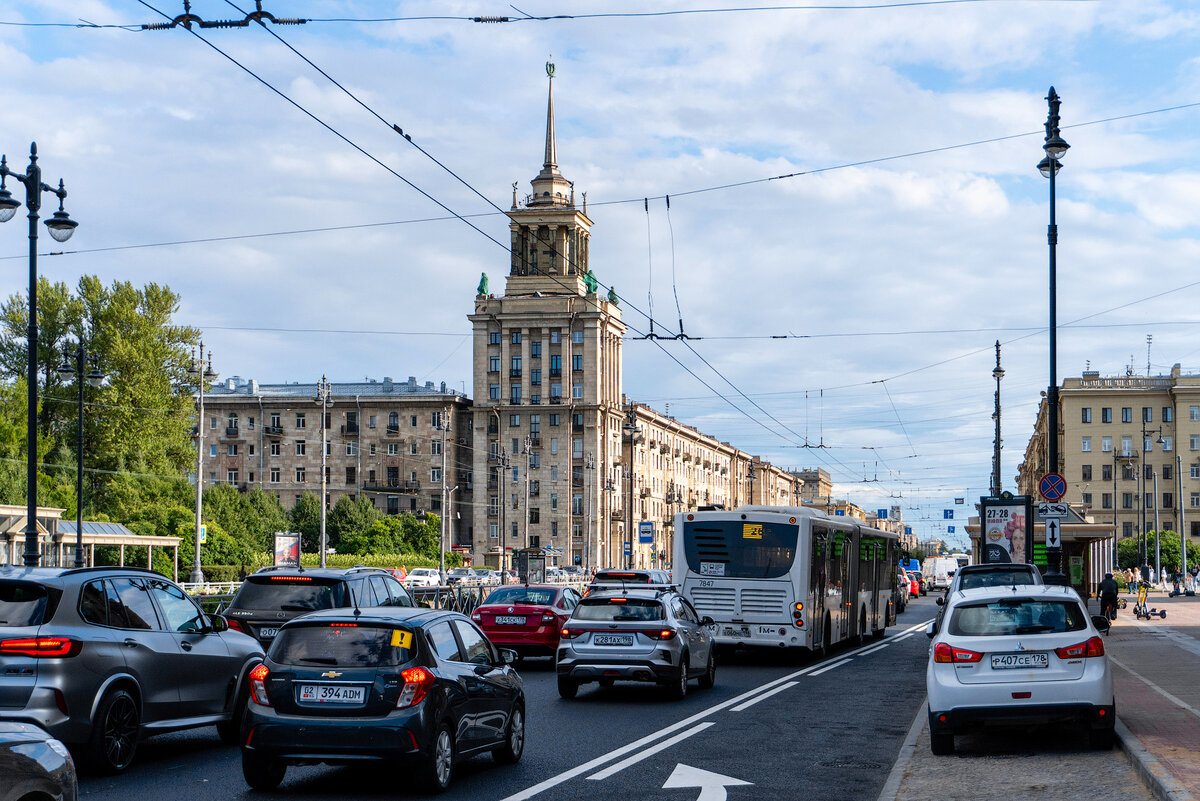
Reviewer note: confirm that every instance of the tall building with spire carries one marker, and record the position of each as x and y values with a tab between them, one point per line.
547	375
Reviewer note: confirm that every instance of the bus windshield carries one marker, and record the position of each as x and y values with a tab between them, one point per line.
740	549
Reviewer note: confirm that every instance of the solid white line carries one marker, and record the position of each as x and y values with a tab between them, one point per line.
636	758
879	647
1178	702
891	787
764	696
830	667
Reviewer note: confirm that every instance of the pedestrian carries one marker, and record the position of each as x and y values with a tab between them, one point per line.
1108	597
242	573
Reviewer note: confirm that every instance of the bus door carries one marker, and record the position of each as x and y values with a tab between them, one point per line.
840	591
818	583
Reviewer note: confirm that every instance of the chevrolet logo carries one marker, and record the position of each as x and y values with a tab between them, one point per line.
331	674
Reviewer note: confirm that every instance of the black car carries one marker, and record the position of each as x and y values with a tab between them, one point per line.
101	657
421	686
274	595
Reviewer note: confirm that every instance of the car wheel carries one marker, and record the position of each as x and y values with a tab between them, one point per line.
941	743
679	685
262	772
114	733
514	738
438	768
230	730
710	673
1100	739
567	687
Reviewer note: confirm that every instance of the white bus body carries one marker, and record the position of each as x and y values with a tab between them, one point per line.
786	576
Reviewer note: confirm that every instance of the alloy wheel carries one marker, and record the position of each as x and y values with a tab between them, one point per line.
516	736
443	757
120	731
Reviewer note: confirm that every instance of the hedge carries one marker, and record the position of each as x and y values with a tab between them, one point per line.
389	560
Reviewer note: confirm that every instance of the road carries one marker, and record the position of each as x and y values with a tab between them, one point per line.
827	729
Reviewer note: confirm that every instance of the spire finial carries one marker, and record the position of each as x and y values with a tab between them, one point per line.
551	153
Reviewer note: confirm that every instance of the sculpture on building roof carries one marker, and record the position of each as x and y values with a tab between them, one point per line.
482	289
589	281
612	295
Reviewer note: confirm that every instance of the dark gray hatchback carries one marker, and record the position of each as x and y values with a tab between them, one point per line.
101	657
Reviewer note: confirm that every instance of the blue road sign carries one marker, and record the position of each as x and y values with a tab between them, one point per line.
949	529
947	514
881	514
646	531
1052	486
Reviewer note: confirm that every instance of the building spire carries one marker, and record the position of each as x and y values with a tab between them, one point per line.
551	164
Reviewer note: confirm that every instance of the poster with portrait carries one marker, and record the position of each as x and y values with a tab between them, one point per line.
287	549
1007	529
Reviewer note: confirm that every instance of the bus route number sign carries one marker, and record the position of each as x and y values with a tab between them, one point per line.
752	531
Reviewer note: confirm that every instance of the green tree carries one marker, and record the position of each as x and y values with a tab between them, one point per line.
306	520
1170	554
349	517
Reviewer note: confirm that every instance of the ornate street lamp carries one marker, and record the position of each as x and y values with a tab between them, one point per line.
204	375
94	378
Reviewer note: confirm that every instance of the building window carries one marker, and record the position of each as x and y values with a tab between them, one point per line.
514	420
212	450
514	530
554	472
516	471
554	500
231	476
493	337
515	368
1126	414
535	376
1087	499
1194	471
1148	472
412	476
351	448
1127	530
515	394
1087	414
412	421
274	448
274	475
1168	498
1106	444
554	446
1127	473
1194	442
577	448
299	475
1147	414
493	531
393	449
252	451
1148	500
577	337
1195	501
535	349
275	420
435	447
1127	446
1106	414
494	364
555	366
351	476
1166	472
554	419
535	515
299	419
1167	414
1168	444
577	391
1126	500
1086	444
577	362
494	392
371	421
577	503
1086	472
1148	444
212	423
535	460
1106	500
1106	472
1194	413
554	528
371	449
299	447
516	337
554	336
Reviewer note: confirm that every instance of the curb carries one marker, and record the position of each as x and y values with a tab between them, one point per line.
1152	772
891	787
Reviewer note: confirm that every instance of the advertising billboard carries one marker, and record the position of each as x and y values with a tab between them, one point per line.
1007	529
287	549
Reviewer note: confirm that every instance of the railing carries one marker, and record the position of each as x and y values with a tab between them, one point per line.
231	431
273	431
350	428
393	430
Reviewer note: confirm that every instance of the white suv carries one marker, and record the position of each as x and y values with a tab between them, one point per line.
422	577
1018	655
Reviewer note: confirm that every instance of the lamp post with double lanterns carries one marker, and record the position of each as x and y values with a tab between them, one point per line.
204	373
1049	166
997	373
94	378
1143	539
324	391
61	226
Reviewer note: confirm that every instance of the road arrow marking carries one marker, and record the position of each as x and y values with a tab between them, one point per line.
712	785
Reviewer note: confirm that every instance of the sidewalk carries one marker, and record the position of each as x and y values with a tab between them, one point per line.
1156	673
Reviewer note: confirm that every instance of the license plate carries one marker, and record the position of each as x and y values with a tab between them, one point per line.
1020	660
327	694
613	639
736	631
510	620
271	632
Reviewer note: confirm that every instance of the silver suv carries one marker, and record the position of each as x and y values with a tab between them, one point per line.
647	633
102	656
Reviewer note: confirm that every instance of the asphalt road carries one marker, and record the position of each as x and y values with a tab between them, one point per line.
790	728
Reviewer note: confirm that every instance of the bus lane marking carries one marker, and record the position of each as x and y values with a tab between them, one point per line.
764	696
649	752
837	664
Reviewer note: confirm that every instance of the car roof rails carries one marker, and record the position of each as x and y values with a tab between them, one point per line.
270	568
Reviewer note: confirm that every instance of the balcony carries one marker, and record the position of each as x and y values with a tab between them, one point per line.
555	373
273	431
392	430
231	432
687	457
645	493
556	398
617	514
535	442
514	373
350	428
663	447
678	451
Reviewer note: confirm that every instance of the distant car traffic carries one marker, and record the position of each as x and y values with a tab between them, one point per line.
274	595
34	766
461	575
620	578
914	585
416	688
644	635
921	583
528	618
102	656
423	577
1018	657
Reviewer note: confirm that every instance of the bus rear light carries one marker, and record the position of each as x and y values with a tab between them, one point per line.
944	652
258	685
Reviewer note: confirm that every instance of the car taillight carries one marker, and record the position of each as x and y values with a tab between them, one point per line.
549	618
661	634
478	618
944	652
570	634
258	685
236	625
40	647
1093	647
417	681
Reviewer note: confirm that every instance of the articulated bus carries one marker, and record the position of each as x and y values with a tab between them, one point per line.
786	576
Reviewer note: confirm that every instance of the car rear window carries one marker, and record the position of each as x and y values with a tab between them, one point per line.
343	645
289	594
614	609
26	603
995	578
1017	616
620	577
522	595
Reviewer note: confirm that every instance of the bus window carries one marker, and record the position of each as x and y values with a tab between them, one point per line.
736	549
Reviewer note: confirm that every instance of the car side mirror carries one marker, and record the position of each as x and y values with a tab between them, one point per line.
1101	623
707	621
931	630
940	601
218	623
507	656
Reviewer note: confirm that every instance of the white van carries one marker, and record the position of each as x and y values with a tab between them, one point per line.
939	571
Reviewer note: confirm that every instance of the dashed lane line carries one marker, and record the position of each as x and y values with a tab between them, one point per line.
651	751
837	664
764	696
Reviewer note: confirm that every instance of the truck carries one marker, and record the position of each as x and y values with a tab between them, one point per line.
939	571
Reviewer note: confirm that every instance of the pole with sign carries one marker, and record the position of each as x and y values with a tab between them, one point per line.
1053	487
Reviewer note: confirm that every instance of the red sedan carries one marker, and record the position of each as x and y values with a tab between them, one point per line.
526	617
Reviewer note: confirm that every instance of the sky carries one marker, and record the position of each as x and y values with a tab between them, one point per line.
842	315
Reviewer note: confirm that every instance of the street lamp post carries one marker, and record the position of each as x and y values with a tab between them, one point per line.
324	390
527	448
1055	149
1143	557
997	374
61	226
443	424
750	477
94	378
204	373
1157	535
610	490
589	469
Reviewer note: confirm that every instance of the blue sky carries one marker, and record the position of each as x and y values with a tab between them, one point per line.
904	271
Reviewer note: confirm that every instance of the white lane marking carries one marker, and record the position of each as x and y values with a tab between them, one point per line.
830	667
891	788
876	648
651	751
764	696
712	785
592	764
1177	701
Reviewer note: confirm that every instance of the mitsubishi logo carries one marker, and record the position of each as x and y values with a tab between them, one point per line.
330	674
1019	646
